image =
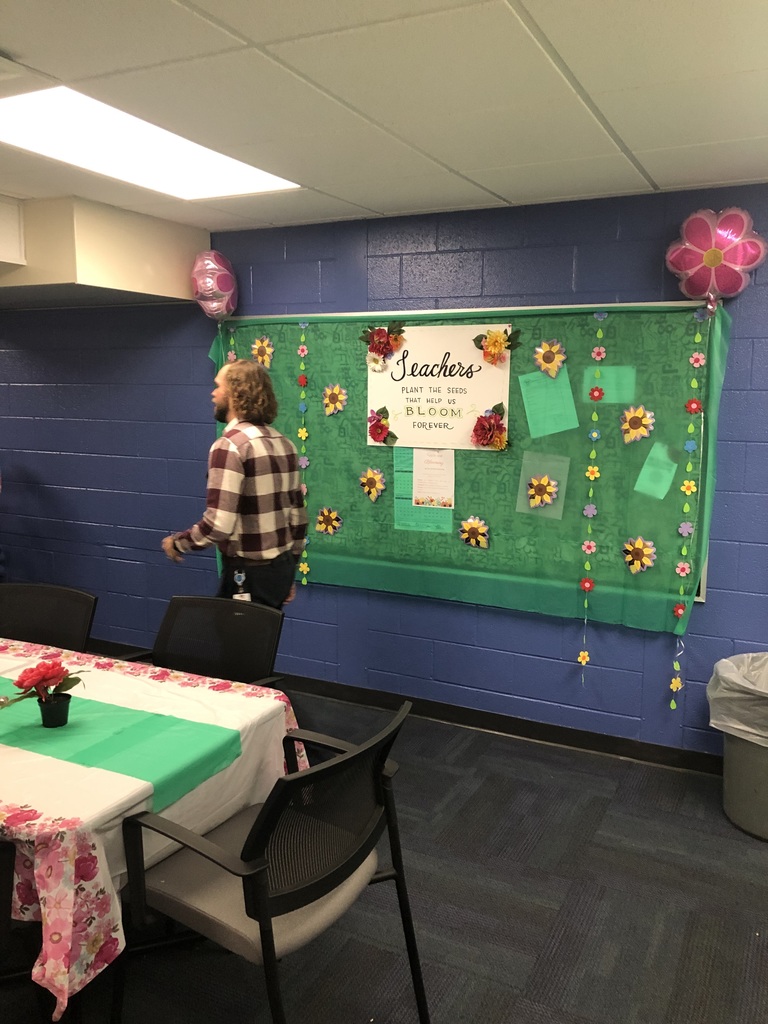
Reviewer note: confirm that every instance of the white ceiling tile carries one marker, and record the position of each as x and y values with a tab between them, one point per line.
605	42
228	100
444	66
90	37
416	193
265	20
569	179
303	207
716	163
539	129
708	109
320	157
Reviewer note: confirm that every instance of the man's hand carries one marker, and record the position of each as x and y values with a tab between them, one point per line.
170	550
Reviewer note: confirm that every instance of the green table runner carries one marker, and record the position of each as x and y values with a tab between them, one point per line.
173	754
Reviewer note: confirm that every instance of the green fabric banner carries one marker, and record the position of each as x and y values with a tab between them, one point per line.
173	754
618	483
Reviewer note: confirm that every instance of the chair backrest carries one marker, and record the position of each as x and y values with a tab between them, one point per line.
43	613
218	636
317	826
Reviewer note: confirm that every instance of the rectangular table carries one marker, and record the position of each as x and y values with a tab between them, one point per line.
63	808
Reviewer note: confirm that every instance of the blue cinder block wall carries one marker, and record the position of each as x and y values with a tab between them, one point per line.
105	423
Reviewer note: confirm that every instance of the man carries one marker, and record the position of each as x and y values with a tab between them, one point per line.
254	512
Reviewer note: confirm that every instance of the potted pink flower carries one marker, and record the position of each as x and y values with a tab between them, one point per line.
49	681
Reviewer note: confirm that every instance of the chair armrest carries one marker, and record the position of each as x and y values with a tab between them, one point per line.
319	740
267	681
192	841
138	656
315	739
391	768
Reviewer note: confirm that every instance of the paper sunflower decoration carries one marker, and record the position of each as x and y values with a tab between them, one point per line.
262	351
549	357
639	554
636	422
334	399
474	532
542	490
373	483
328	521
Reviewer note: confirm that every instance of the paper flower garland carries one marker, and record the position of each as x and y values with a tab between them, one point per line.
334	399
549	356
378	429
382	342
495	344
262	351
542	491
639	554
592	473
637	422
489	430
474	532
302	351
328	521
373	483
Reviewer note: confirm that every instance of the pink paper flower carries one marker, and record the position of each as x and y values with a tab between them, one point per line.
715	252
697	359
302	350
683	568
589	547
598	353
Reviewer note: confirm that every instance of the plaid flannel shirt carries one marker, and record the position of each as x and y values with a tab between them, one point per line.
254	506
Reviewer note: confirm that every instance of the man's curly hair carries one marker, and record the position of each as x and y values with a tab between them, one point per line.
250	392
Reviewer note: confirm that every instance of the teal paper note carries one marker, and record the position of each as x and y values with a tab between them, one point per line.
618	382
657	474
549	405
425	519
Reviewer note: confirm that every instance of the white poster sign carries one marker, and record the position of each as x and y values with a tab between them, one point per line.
439	381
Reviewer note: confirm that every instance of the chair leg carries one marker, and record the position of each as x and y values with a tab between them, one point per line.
271	976
117	969
405	906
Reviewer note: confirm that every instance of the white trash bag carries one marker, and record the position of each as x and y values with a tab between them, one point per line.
738	697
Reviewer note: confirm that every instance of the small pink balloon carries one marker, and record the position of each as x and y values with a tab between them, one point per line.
214	284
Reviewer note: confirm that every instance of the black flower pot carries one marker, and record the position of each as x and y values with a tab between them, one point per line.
55	710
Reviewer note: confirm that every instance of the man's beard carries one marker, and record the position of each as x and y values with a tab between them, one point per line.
221	413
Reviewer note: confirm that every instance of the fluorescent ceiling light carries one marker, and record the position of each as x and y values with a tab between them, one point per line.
65	125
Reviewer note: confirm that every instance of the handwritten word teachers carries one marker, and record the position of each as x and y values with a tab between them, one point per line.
441	369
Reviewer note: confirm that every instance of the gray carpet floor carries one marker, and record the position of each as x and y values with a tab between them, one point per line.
548	886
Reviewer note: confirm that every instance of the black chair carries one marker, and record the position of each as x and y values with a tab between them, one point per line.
218	636
278	874
43	613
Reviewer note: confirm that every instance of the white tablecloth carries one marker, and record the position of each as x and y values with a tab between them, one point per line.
66	819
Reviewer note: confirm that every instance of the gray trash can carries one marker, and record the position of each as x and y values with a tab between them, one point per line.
738	706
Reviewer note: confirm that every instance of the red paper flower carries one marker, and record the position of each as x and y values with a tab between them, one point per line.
694	405
715	252
378	430
587	584
596	394
302	379
678	611
489	432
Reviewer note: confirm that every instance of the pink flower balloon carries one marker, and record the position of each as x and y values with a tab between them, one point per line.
214	284
715	253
